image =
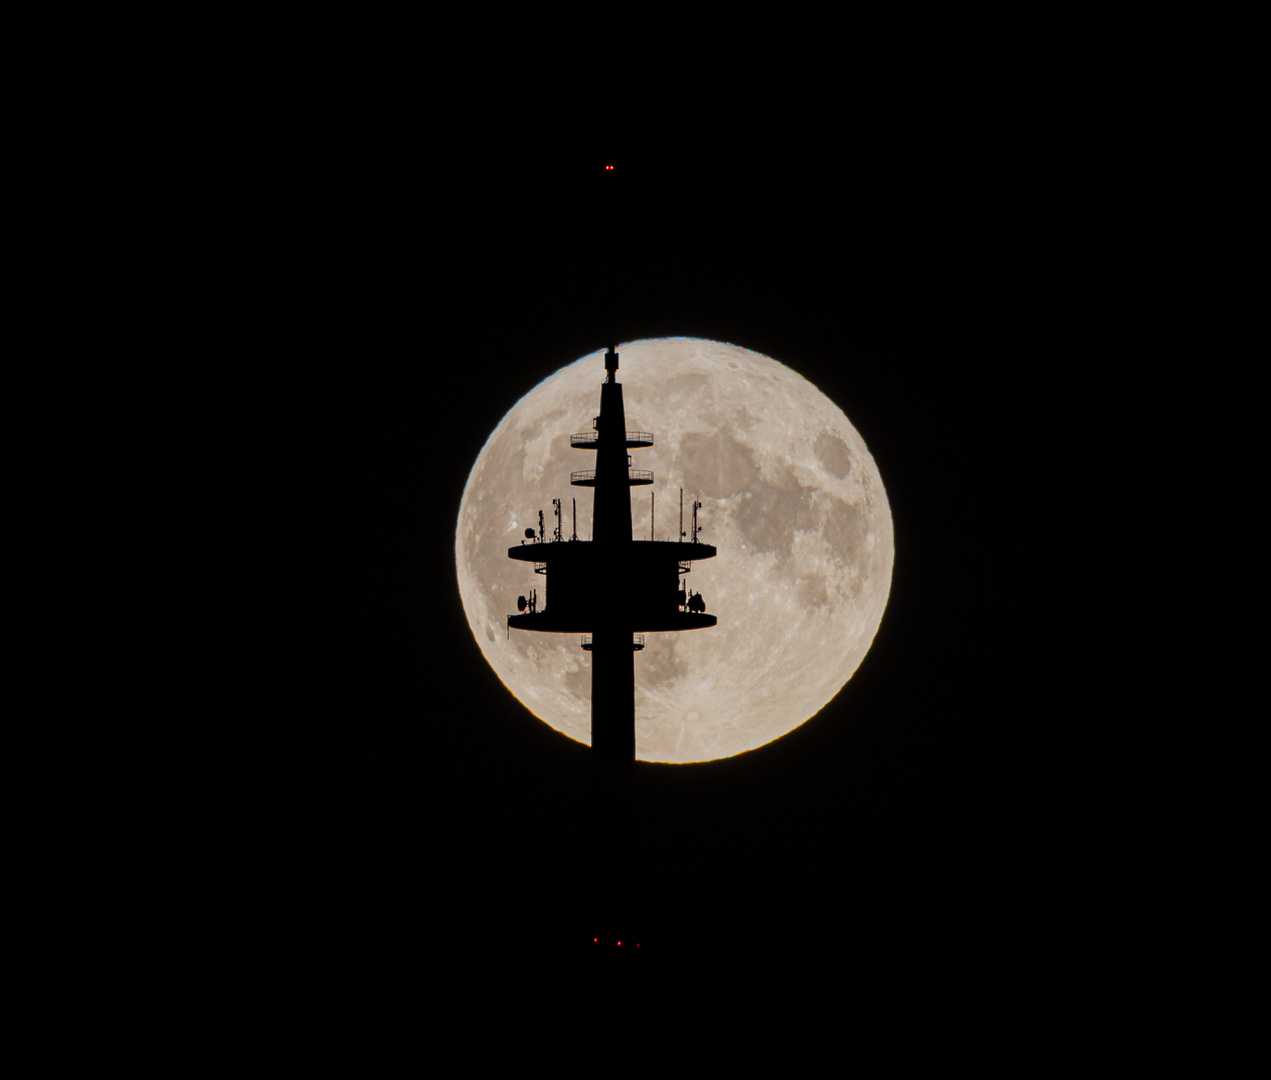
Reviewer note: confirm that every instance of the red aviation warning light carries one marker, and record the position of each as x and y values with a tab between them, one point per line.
608	168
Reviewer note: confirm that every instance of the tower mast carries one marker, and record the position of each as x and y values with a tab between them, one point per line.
613	589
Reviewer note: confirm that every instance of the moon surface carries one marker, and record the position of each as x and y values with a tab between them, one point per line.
791	498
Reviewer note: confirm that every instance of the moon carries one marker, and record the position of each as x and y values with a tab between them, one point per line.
791	497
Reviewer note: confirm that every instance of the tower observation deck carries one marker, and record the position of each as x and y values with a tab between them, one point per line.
612	587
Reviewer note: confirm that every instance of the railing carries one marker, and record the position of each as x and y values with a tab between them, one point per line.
586	440
587	477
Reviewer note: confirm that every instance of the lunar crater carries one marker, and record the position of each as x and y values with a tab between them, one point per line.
833	454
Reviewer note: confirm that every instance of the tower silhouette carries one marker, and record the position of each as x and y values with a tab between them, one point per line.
613	588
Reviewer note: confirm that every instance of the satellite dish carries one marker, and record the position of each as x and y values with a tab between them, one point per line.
529	534
521	603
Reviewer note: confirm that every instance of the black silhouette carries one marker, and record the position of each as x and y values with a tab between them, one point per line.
613	588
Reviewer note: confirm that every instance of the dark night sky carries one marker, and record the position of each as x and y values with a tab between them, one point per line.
958	261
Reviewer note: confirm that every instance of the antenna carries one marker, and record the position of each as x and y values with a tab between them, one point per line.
696	506
574	534
681	513
652	530
542	530
556	536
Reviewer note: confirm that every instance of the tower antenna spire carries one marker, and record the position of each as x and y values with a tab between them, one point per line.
612	237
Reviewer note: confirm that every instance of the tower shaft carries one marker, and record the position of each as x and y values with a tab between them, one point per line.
613	693
612	657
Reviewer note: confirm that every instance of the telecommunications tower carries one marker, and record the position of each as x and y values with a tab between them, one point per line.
612	589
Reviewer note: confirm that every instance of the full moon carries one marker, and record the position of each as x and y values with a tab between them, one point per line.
790	496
